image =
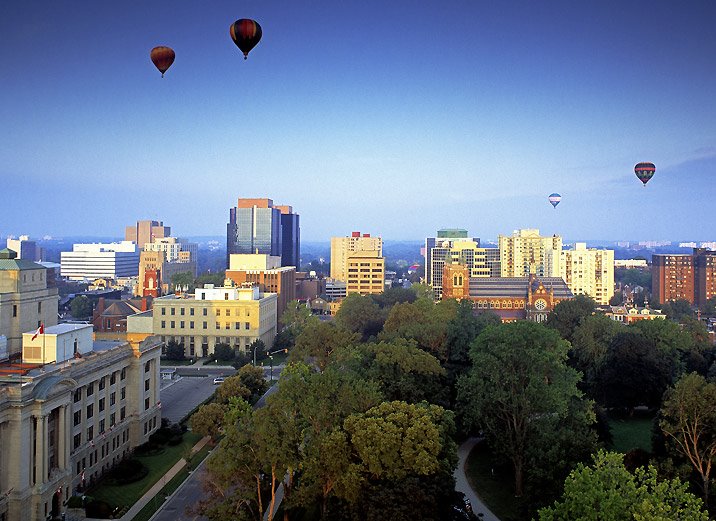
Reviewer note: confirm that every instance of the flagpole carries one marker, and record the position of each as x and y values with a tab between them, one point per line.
42	326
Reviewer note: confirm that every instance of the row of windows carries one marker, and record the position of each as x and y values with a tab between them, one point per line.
77	440
205	311
484	304
101	384
205	325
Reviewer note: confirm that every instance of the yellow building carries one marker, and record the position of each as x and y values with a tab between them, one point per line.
25	299
587	271
236	316
524	253
358	261
64	424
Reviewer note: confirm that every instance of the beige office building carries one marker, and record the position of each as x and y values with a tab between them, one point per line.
358	261
587	271
524	253
146	231
233	315
65	423
25	299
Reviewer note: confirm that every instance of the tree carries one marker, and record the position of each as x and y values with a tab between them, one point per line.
689	421
403	371
423	291
182	280
224	352
678	310
175	350
518	386
393	296
568	314
217	279
709	307
257	346
208	420
81	307
607	490
253	379
296	317
361	315
590	346
634	373
617	299
231	387
320	342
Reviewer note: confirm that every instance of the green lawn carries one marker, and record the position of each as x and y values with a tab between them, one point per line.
158	465
148	511
632	432
496	490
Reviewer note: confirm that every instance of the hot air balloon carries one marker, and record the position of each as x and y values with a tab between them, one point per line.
554	199
644	171
162	57
246	34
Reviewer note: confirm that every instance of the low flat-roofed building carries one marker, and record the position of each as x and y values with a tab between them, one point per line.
630	314
66	423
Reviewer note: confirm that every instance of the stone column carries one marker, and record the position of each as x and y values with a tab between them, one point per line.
61	437
37	473
43	453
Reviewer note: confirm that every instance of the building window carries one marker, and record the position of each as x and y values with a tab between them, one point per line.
237	325
14	310
123	373
146	385
248	326
181	311
147	366
113	378
205	325
172	311
204	311
218	325
191	311
90	389
227	312
77	441
146	404
122	393
101	383
164	324
90	433
77	395
77	418
90	411
218	312
101	426
112	398
164	311
112	419
181	324
122	413
191	324
39	307
101	404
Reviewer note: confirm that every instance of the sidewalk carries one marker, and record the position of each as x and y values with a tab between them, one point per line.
462	484
159	485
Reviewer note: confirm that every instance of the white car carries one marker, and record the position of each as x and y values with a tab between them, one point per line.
218	380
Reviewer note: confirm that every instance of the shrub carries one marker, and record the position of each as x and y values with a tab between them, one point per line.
98	509
75	502
127	471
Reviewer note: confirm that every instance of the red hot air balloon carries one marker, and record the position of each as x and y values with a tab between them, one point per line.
162	57
246	34
644	171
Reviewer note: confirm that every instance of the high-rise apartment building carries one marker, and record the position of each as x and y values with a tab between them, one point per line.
690	277
257	226
72	410
454	246
146	231
587	271
25	300
100	261
524	252
358	261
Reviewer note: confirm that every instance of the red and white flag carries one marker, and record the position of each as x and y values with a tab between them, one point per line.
40	331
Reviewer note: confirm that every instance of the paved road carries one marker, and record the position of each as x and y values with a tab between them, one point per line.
182	396
462	485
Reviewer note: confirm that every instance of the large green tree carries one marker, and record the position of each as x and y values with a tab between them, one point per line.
321	342
590	347
688	419
568	314
360	314
81	307
518	388
607	490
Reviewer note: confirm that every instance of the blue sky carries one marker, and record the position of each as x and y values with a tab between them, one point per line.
395	118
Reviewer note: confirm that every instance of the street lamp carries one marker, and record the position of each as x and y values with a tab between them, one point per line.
270	355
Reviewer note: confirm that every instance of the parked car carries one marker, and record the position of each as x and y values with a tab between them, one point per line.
218	380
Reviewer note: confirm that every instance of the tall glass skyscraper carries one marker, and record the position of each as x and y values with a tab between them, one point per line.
257	226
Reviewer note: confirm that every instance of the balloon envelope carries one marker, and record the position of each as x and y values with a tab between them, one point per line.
554	199
162	57
246	34
644	171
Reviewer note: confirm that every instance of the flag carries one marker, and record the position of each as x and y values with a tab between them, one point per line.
40	331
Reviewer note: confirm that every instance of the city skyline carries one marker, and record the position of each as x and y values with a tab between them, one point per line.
467	115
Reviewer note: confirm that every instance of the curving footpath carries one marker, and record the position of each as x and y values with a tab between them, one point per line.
463	485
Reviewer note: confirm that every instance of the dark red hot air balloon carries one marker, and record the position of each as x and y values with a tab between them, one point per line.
644	171
162	57
246	34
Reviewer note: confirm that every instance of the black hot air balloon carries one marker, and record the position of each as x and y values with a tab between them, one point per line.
162	57
246	34
644	171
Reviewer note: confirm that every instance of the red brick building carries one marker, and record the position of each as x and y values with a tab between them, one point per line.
690	277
